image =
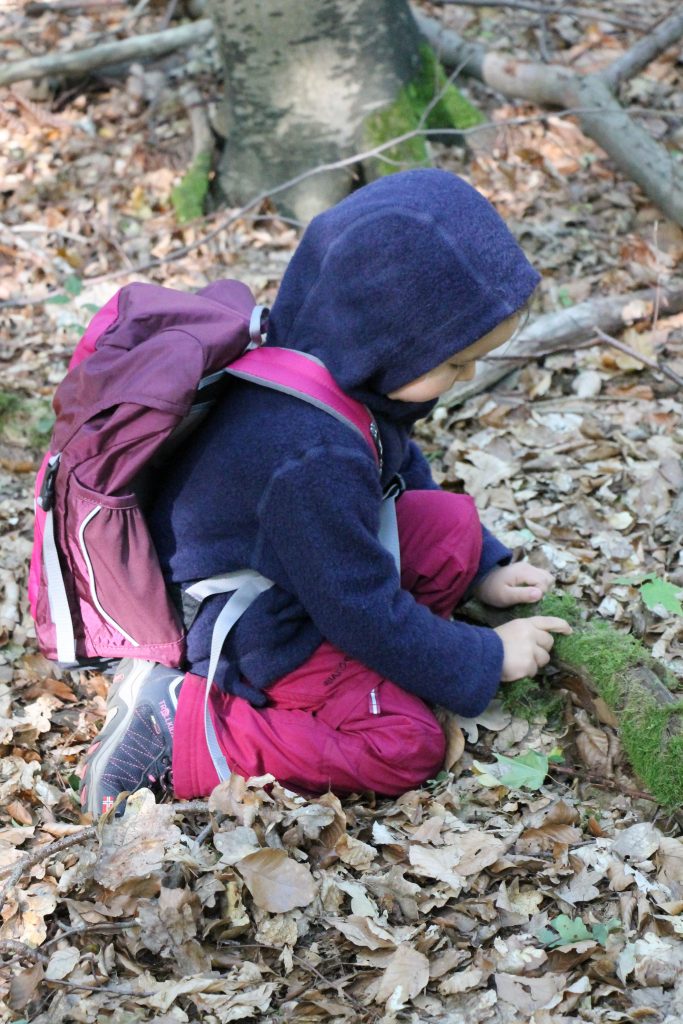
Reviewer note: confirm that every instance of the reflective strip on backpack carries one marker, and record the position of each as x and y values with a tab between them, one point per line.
247	585
60	612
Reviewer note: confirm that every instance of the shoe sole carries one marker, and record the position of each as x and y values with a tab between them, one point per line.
121	708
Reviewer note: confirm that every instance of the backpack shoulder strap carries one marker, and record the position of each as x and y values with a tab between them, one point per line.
305	377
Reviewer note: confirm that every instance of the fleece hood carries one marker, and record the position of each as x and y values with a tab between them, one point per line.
396	279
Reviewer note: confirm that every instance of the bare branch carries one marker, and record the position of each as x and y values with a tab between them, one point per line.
586	13
645	360
77	62
645	50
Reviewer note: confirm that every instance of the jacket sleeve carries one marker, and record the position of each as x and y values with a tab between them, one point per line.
417	475
320	515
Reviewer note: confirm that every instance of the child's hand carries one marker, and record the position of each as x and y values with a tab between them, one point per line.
520	583
527	644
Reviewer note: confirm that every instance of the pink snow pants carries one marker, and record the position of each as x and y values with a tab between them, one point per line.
333	723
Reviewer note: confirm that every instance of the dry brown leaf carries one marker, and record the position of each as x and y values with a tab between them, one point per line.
355	853
237	844
364	931
530	994
462	981
276	882
440	864
134	845
477	850
548	836
594	746
670	860
455	741
405	976
62	963
638	842
24	986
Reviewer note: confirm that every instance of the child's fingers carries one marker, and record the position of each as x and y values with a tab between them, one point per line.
523	595
552	624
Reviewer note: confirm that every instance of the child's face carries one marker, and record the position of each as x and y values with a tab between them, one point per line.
459	367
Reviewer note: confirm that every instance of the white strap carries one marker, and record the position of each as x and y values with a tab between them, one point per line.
222	584
244	595
56	595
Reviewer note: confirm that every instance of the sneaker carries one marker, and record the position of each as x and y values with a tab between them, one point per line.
135	746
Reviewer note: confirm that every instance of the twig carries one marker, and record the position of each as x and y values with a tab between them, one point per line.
559	9
627	350
113	990
191	807
21	951
594	780
37	7
99	926
658	39
42	853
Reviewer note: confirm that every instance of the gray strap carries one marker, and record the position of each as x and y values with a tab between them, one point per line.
245	593
60	612
388	530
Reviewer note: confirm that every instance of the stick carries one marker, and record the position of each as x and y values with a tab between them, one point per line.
78	62
652	363
553	332
42	853
632	149
645	50
525	5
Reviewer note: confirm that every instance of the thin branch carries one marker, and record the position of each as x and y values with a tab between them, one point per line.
645	50
42	853
113	990
596	780
20	951
627	350
526	5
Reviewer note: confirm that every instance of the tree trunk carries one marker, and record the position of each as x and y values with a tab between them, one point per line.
300	79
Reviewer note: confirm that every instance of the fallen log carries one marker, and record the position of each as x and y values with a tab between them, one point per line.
562	329
617	669
633	150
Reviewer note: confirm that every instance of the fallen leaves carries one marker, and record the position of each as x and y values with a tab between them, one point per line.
276	882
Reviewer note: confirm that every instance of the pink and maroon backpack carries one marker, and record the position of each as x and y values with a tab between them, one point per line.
148	368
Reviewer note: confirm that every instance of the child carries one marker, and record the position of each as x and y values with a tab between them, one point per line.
326	680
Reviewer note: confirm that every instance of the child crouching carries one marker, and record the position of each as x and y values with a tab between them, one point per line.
328	678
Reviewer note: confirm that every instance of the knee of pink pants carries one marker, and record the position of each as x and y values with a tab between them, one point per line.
441	539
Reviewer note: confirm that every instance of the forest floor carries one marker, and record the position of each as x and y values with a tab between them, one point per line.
552	894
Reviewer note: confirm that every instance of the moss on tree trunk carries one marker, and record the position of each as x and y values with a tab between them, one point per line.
428	101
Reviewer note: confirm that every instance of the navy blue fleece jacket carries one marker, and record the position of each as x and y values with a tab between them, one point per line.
383	287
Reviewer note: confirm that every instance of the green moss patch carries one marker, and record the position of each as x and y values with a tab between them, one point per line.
534	700
412	108
188	197
651	731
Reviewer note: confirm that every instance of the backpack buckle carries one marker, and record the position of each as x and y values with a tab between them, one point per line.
258	325
46	498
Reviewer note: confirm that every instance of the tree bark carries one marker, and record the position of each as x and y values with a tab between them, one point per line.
553	332
632	149
300	78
